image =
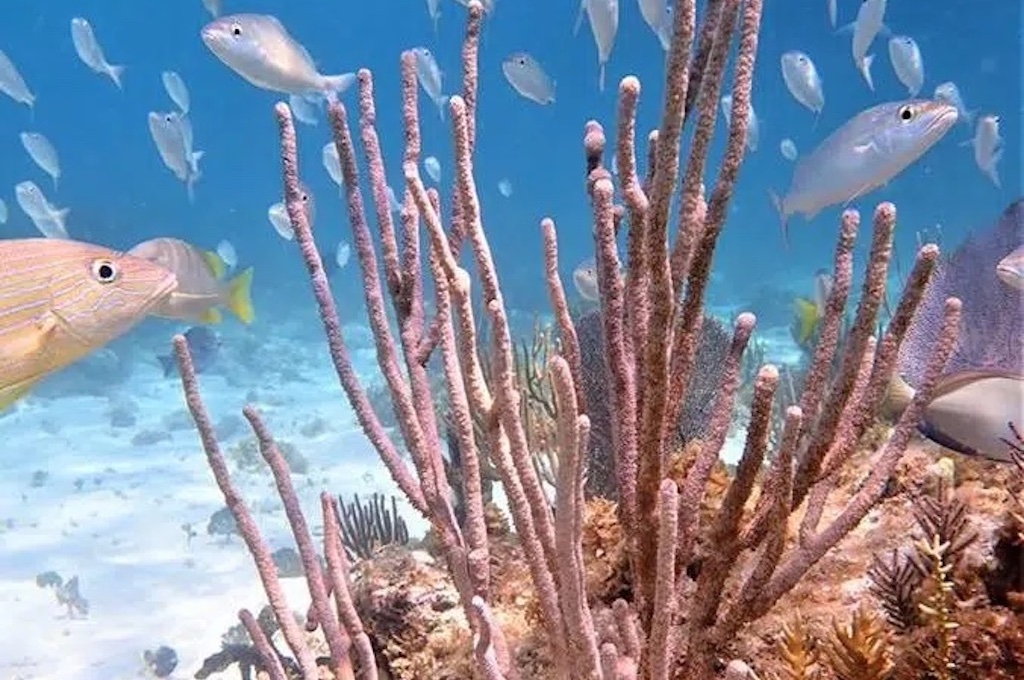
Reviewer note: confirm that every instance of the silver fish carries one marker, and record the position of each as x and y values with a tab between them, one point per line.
753	126
866	152
332	164
988	147
833	13
3	212
90	52
430	77
213	7
12	84
527	77
1010	269
653	12
434	10
604	24
870	20
47	218
433	167
969	411
906	60
584	277
665	30
802	80
172	134
43	153
176	90
488	5
260	49
948	92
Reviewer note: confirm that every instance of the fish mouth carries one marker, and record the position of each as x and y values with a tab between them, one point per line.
943	118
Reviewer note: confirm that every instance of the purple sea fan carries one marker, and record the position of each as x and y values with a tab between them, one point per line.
992	328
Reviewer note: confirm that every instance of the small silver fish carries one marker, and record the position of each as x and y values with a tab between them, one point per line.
434	10
433	167
584	277
260	49
802	80
42	151
12	84
833	13
969	411
90	52
665	30
865	153
787	147
948	92
213	7
488	5
172	134
870	21
604	24
3	212
430	77
907	62
753	125
1010	271
278	213
176	90
527	77
332	164
653	12
988	147
47	218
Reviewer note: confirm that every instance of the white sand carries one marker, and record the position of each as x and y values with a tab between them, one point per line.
121	533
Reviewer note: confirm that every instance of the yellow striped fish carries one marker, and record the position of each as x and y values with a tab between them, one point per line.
61	299
201	285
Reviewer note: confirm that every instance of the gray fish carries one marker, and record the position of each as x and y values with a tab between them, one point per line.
260	49
865	153
204	345
969	411
1010	269
12	84
527	77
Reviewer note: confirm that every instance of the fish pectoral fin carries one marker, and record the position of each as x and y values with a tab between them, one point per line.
12	393
31	339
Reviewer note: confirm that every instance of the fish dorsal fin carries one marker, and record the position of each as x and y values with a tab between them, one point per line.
961	379
215	263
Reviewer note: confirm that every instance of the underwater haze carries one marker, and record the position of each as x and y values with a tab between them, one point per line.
113	539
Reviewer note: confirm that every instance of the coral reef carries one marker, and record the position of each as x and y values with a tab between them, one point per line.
692	570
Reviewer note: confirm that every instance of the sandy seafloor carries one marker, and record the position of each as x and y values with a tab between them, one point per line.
78	497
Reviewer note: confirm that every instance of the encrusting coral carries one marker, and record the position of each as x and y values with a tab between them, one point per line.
695	559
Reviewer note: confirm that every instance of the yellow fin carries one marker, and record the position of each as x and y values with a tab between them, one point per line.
240	297
216	265
12	393
211	316
806	320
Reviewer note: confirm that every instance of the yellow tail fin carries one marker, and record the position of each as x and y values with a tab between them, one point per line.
806	320
240	297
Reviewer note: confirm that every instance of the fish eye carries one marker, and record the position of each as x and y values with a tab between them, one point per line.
236	30
104	271
907	113
521	61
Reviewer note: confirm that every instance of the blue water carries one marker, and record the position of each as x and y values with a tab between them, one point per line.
120	193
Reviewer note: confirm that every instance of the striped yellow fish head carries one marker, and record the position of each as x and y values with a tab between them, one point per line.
98	294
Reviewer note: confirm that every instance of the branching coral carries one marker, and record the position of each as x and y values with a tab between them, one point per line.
676	620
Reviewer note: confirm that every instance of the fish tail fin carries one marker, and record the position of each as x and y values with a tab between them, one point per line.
806	319
600	79
897	397
190	187
865	69
240	297
115	74
61	216
783	218
969	117
337	84
442	102
167	363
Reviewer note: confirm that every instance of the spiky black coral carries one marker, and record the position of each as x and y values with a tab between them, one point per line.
895	581
946	516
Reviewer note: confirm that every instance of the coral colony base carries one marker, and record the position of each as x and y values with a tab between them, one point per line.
671	579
